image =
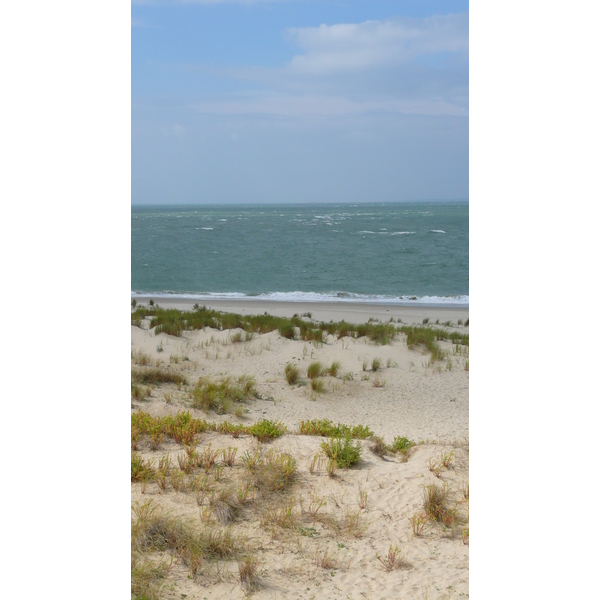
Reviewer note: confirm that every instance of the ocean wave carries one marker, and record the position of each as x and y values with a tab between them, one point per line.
402	232
462	301
437	231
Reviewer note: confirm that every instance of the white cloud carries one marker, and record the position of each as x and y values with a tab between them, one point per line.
377	43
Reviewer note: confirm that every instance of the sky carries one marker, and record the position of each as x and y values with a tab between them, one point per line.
245	101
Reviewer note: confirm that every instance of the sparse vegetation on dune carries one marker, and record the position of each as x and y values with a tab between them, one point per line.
156	376
219	395
175	322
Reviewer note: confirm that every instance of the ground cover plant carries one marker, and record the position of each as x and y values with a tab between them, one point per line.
342	451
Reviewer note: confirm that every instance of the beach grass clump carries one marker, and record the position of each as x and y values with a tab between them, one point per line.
317	385
435	503
315	369
156	376
266	430
140	393
248	570
292	373
334	368
376	364
326	428
155	531
287	330
342	451
219	395
379	447
272	473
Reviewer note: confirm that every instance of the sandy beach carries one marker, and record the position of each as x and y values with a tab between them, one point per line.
340	549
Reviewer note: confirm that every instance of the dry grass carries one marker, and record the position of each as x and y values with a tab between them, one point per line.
325	560
248	570
392	560
224	505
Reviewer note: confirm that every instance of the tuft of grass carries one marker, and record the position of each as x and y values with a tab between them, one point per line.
343	452
379	447
229	454
273	473
435	504
314	370
325	560
220	395
146	578
287	330
362	498
224	504
140	393
248	570
283	516
266	430
334	369
418	522
317	385
392	560
157	375
376	364
292	373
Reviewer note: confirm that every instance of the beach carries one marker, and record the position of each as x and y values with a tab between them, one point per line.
366	511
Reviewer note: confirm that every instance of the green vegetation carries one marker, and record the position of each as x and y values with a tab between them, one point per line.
175	322
315	369
343	452
220	395
157	375
292	373
266	430
326	428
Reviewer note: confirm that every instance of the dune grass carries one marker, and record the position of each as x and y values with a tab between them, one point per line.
156	376
220	395
292	373
175	322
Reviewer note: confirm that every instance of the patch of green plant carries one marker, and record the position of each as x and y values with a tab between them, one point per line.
267	430
157	375
401	443
221	394
292	373
342	451
326	428
315	369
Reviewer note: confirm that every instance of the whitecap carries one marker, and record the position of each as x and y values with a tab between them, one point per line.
437	231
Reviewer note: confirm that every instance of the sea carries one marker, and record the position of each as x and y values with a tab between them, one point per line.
394	253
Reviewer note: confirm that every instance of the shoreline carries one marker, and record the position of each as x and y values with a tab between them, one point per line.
351	312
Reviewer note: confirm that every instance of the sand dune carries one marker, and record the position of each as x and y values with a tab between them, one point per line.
406	398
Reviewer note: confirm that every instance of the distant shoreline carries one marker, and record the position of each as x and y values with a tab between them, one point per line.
351	312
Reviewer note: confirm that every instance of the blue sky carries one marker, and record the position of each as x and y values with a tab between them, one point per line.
299	101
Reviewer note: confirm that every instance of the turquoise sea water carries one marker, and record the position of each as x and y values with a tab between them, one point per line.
396	253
